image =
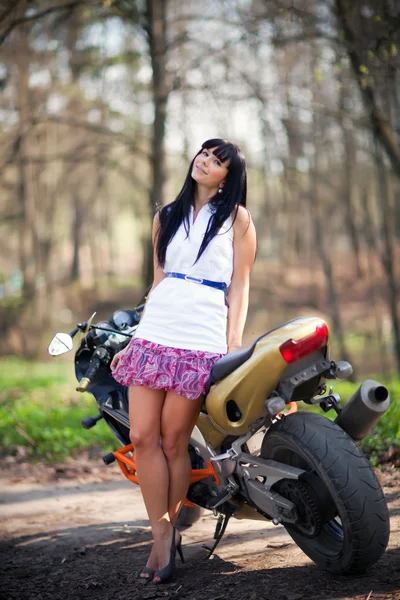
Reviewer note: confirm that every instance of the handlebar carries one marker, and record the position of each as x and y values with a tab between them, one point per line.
100	355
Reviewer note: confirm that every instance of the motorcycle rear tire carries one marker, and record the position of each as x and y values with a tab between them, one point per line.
358	538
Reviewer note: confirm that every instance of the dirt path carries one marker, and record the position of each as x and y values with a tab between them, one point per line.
79	532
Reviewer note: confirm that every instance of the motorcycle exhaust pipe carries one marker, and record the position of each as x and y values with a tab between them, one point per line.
364	409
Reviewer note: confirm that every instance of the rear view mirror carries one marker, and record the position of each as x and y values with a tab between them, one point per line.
60	344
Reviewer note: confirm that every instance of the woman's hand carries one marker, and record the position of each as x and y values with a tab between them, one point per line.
116	359
232	347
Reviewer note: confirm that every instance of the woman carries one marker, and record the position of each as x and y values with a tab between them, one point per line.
204	248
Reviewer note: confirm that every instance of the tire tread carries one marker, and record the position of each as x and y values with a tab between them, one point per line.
367	522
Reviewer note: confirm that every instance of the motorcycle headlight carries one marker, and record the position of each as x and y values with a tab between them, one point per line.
123	319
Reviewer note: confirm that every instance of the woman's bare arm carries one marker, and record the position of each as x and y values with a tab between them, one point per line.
244	251
159	274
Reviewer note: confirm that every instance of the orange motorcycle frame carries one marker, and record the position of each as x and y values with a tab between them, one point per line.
127	464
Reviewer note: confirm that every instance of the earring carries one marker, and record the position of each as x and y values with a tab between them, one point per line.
220	190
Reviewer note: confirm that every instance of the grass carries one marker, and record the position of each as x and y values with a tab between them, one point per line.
40	410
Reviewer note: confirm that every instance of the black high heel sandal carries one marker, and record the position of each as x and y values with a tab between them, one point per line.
179	549
164	575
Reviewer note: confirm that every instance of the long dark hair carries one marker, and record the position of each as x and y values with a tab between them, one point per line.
224	204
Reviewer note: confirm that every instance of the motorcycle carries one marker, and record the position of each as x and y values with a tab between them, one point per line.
253	454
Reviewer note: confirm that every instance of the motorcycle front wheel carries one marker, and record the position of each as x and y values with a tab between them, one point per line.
343	517
188	515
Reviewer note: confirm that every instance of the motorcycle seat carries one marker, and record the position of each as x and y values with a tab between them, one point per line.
228	363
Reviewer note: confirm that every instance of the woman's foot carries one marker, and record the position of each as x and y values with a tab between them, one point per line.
166	550
148	571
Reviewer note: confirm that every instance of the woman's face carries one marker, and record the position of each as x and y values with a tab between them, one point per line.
208	170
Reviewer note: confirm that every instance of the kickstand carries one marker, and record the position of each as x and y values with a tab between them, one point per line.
220	528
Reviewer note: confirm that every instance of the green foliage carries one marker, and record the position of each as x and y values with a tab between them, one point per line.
386	432
39	409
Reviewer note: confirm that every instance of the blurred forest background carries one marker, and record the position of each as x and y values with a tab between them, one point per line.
104	103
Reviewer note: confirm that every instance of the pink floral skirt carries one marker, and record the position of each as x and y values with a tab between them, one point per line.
151	365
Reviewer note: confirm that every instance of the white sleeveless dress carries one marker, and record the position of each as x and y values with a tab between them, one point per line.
182	332
185	314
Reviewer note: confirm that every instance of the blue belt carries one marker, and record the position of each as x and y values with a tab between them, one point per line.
214	284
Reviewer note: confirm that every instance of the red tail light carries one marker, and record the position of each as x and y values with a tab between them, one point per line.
293	350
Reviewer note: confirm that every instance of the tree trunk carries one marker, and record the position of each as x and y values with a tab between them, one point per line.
333	300
76	235
318	215
80	210
387	255
373	291
27	233
156	30
348	167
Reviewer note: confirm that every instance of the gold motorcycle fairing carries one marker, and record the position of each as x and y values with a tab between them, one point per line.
252	383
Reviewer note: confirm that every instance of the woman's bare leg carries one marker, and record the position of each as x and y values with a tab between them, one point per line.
178	418
145	409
